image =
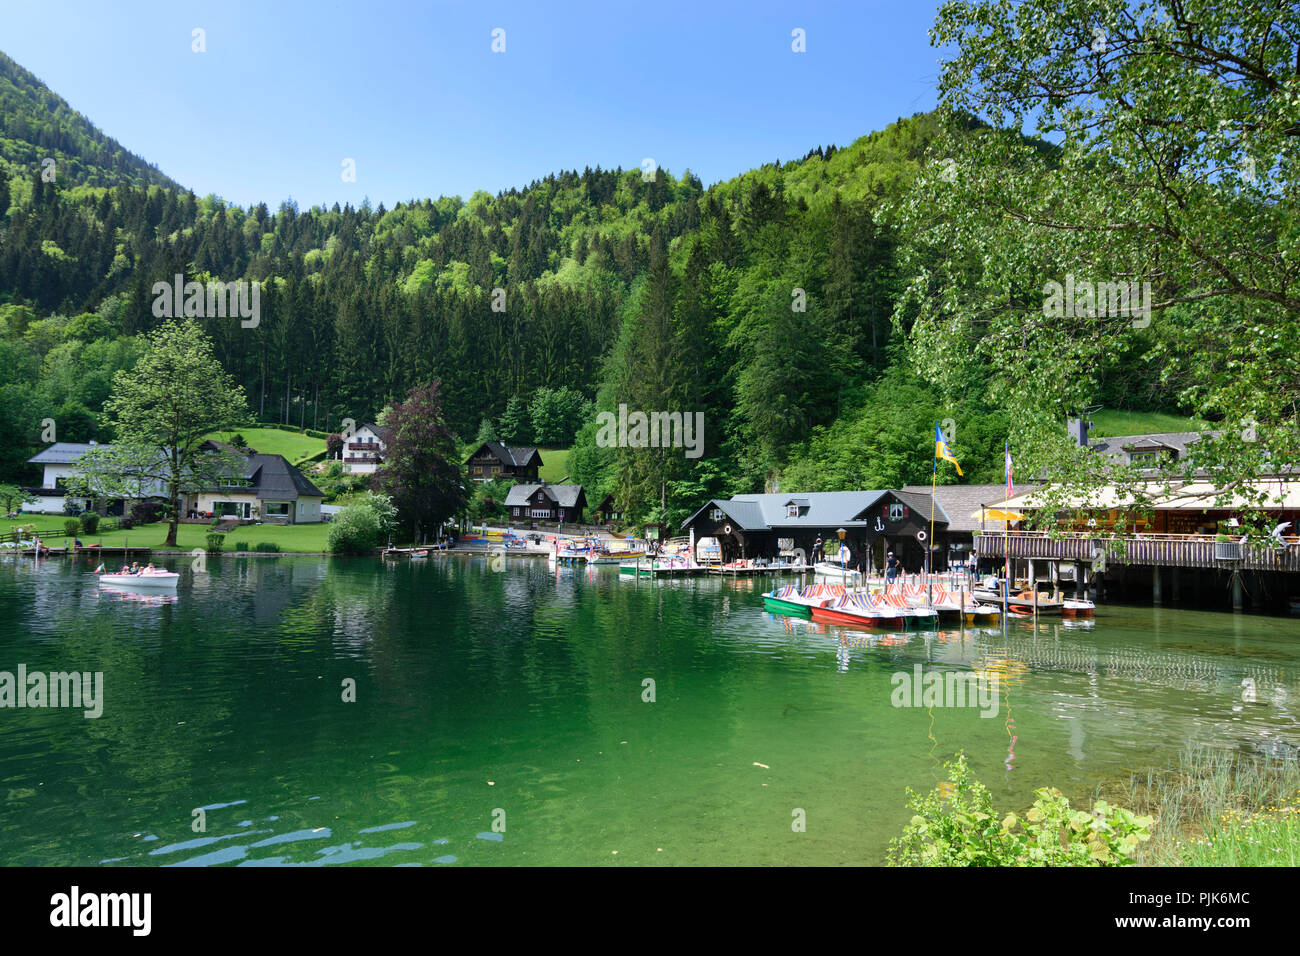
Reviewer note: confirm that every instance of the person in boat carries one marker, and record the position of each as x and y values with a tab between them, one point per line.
149	569
135	568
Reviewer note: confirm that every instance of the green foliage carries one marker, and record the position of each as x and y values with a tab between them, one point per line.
89	522
240	546
514	425
72	527
557	414
363	526
266	547
215	541
956	825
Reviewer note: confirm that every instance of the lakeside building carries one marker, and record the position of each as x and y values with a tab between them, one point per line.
363	453
493	460
874	523
266	487
543	502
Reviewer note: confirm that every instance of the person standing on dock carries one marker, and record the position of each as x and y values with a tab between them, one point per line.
891	569
817	550
973	564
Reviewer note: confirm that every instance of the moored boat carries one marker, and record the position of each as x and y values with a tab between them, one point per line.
836	572
1077	608
792	601
863	610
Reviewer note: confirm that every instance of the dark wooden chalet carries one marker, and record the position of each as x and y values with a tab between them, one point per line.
494	460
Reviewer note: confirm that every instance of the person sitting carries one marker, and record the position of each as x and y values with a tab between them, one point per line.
135	567
149	569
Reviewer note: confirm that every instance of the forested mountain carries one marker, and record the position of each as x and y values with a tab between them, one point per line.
36	124
765	302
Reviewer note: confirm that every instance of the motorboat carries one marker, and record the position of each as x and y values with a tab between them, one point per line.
838	572
143	579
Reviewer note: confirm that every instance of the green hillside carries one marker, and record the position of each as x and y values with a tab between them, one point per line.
36	124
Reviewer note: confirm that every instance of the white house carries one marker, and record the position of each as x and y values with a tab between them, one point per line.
58	463
363	453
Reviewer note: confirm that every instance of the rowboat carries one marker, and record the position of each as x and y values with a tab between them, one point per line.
946	604
145	579
1022	603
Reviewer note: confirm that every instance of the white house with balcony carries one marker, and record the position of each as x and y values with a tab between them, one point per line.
363	453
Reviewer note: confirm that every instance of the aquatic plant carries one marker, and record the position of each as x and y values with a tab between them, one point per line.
956	825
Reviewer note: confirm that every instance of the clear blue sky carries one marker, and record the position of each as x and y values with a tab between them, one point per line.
413	92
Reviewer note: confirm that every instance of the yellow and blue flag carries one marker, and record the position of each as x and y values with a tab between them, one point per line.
941	449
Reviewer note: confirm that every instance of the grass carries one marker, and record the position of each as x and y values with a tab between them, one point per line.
1218	808
300	538
555	465
274	441
1110	422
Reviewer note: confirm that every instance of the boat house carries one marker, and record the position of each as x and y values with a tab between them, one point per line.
874	523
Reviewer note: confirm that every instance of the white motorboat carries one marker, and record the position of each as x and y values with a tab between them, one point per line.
145	579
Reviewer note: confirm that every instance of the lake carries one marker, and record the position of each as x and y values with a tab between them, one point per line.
504	717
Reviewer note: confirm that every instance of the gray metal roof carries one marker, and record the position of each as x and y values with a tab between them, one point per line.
1114	447
958	502
62	453
817	509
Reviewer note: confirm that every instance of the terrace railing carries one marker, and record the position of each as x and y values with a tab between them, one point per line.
1152	550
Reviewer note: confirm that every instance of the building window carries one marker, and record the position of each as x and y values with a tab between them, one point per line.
274	508
792	511
716	514
540	513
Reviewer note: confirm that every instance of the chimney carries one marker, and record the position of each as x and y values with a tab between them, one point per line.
1078	429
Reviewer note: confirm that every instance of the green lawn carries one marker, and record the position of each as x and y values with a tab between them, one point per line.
1111	422
555	465
290	538
275	441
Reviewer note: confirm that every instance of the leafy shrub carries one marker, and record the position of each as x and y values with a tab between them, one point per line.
71	508
956	825
267	547
90	522
72	527
215	522
215	540
126	523
363	526
241	546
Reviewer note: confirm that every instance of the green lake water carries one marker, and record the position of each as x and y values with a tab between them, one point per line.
500	716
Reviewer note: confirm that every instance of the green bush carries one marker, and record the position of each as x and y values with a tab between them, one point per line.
72	526
956	825
267	547
90	522
215	539
363	526
215	522
241	546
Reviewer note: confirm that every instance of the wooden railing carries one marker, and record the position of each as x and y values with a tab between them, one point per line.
1162	550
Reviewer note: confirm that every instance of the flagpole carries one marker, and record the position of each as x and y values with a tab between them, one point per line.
929	545
1006	548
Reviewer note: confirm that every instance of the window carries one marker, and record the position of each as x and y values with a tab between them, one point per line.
716	514
276	508
792	511
540	513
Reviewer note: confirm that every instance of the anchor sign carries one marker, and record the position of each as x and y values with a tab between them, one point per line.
879	525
